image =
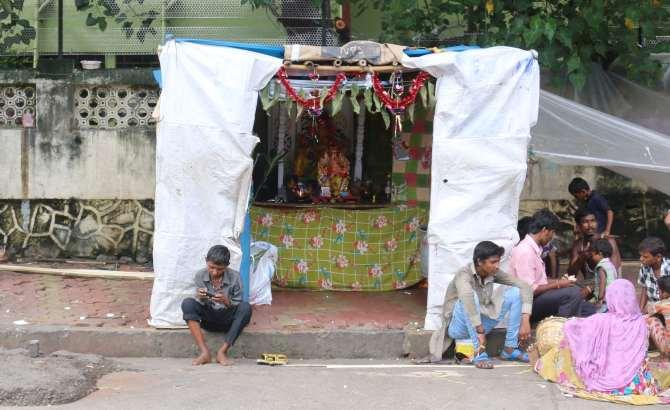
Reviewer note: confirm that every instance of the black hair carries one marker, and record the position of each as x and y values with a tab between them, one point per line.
522	226
485	250
219	255
581	213
543	218
664	283
603	247
578	185
653	245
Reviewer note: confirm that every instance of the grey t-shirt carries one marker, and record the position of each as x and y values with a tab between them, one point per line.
231	287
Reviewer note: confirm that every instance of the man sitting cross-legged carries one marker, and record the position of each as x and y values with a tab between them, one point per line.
218	305
472	308
556	297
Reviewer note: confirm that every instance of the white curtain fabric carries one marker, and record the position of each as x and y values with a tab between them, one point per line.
203	162
487	101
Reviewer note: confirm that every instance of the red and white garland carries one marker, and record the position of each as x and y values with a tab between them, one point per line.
313	104
398	106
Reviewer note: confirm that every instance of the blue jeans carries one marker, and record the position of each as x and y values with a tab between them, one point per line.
461	328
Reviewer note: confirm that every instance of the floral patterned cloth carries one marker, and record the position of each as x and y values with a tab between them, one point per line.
557	366
343	249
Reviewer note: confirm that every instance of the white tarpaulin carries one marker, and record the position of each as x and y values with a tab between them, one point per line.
487	101
203	162
569	133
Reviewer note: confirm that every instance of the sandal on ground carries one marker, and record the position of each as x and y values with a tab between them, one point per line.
517	355
482	361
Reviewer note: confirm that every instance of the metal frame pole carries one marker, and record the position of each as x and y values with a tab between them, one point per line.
60	29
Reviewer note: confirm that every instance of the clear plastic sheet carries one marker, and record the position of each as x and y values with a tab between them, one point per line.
570	133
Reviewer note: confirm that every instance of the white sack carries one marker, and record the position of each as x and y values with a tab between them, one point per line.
487	100
265	257
203	163
570	133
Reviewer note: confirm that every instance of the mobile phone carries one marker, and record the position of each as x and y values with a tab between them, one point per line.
209	294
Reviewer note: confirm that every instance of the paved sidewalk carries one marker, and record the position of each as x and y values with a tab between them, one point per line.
85	302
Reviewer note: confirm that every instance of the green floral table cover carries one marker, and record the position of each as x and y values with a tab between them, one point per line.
343	249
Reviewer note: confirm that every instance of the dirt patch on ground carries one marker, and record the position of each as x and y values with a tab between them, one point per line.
58	378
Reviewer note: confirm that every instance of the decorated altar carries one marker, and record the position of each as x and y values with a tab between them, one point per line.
322	247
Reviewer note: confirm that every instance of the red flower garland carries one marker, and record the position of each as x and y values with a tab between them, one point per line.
397	106
311	103
314	103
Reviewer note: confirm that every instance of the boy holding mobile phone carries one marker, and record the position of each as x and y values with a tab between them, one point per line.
218	305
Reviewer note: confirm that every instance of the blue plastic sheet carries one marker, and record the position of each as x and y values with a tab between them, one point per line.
273	51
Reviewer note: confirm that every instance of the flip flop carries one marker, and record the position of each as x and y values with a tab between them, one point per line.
516	355
482	361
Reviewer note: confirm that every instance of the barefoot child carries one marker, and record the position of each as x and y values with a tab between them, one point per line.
605	271
218	305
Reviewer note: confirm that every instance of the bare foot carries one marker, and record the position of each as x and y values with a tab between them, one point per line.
223	359
204	358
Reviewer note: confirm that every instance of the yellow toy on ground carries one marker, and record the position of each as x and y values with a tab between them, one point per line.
272	359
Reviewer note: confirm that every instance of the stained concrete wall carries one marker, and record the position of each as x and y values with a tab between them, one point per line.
57	159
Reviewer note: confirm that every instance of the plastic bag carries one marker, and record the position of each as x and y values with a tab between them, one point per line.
264	261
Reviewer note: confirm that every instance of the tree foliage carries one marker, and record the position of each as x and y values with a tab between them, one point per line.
135	19
15	29
570	35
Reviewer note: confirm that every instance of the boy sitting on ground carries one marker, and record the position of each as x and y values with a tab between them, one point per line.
472	309
218	305
605	271
595	203
654	266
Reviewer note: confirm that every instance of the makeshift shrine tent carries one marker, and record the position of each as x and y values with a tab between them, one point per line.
486	104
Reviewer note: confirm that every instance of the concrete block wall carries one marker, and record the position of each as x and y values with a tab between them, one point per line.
73	188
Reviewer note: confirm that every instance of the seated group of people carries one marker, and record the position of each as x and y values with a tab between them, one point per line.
608	329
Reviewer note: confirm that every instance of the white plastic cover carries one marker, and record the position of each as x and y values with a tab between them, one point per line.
203	162
265	257
487	101
569	133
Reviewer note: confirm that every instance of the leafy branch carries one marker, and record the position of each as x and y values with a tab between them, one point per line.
132	21
14	29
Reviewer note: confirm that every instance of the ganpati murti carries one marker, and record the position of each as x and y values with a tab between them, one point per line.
333	170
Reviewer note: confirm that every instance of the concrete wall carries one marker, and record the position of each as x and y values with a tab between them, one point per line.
69	187
60	159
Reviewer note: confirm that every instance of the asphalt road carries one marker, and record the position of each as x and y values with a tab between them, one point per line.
175	384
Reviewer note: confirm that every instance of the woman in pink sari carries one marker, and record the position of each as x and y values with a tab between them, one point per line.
604	356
